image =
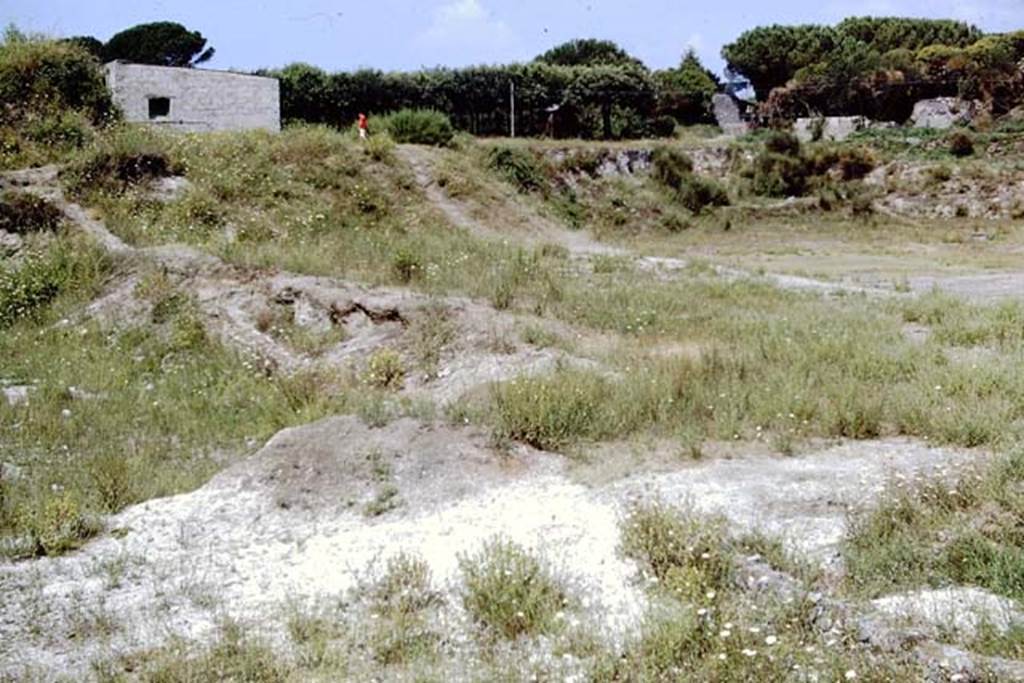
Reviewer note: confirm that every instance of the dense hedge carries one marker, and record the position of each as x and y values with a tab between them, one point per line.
599	91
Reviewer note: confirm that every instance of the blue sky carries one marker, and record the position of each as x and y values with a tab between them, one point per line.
407	34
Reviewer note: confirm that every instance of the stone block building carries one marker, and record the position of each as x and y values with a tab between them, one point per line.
194	100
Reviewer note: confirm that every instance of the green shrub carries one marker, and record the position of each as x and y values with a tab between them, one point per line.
674	169
697	193
380	147
58	524
688	555
46	77
419	126
405	588
551	412
406	265
385	370
126	156
663	126
671	166
511	592
780	175
784	143
519	167
22	213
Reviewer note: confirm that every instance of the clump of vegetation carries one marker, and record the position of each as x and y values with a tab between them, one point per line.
385	370
673	169
22	213
419	127
511	592
26	288
961	144
781	170
929	534
688	555
851	162
518	166
406	586
234	656
554	412
54	96
122	158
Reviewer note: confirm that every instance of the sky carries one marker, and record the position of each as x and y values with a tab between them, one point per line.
409	34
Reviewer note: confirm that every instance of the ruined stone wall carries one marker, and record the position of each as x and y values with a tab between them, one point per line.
200	100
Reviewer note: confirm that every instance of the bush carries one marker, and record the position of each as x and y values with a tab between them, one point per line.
784	143
671	166
419	126
853	163
674	169
22	213
518	166
697	194
551	412
780	175
511	592
961	144
385	370
688	555
44	77
663	126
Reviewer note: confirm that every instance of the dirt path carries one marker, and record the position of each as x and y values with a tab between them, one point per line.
985	288
540	230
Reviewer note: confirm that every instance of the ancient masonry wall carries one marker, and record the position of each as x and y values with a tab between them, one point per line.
199	100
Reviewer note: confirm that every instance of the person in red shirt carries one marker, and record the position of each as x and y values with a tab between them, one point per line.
364	126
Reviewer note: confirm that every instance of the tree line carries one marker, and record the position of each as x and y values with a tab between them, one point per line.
876	67
584	88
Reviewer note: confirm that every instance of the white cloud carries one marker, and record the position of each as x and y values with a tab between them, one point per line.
466	30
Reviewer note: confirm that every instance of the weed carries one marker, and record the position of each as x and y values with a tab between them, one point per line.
551	412
431	334
511	592
688	555
405	587
388	498
385	370
923	534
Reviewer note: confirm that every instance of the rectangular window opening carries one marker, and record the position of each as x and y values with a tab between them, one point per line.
159	106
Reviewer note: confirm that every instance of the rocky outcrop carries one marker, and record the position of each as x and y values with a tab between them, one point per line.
944	112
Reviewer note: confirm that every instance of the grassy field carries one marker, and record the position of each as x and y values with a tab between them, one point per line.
121	414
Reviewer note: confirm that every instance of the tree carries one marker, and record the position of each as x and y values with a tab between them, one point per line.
607	88
885	34
769	56
91	45
162	43
304	93
685	93
588	52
